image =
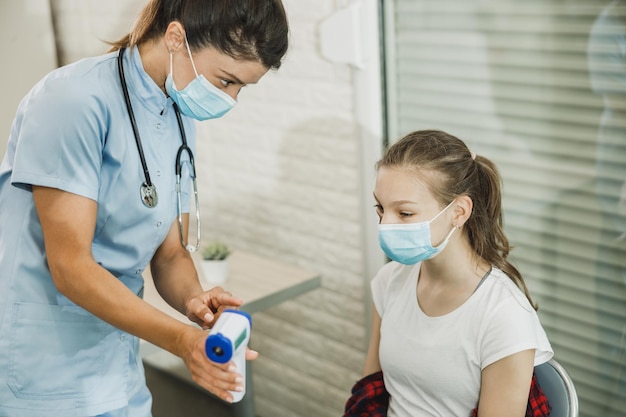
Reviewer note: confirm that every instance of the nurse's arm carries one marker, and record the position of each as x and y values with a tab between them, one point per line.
68	222
176	279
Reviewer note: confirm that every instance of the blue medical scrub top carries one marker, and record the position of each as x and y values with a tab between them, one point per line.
72	132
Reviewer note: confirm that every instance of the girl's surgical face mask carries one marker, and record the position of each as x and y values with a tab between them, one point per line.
200	100
410	243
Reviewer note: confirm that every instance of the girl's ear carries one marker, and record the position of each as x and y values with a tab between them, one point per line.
462	210
174	36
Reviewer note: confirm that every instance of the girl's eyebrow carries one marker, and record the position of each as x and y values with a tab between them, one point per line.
401	202
397	203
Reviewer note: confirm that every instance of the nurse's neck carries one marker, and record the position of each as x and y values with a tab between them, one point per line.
155	58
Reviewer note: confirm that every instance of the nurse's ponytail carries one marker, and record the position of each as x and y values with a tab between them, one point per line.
146	19
254	30
461	172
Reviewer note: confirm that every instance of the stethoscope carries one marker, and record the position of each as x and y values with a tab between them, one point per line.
147	190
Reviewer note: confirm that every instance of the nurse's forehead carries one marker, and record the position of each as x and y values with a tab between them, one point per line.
240	71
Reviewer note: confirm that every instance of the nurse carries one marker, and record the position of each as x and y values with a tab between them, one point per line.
88	199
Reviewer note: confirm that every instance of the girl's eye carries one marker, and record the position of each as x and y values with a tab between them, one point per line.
379	211
405	214
225	83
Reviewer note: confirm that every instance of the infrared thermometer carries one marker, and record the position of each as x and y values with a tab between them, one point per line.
228	340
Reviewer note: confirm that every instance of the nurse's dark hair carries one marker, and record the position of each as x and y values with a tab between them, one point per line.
251	30
448	167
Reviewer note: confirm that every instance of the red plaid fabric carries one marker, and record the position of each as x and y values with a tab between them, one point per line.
371	399
538	405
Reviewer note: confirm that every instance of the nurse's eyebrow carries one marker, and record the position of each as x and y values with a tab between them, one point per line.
233	77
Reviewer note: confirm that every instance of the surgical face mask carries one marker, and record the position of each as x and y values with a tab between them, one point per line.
410	243
200	100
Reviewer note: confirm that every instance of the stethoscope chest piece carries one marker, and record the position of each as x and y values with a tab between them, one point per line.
149	196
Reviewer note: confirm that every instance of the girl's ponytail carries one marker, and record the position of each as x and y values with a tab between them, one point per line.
486	232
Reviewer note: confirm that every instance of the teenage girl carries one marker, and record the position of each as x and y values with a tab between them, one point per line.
454	327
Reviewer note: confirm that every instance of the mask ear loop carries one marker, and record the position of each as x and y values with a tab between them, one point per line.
190	57
442	211
454	228
449	235
171	65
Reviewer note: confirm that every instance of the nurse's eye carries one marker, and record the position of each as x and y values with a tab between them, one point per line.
225	83
405	214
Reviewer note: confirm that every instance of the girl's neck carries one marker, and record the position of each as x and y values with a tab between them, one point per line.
456	266
443	286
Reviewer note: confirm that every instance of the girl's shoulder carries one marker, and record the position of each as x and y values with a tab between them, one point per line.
394	274
500	289
391	281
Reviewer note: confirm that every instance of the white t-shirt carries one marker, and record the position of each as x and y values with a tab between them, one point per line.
432	365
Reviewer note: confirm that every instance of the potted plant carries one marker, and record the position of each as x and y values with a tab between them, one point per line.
215	262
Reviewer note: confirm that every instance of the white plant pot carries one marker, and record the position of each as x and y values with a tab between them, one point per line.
214	272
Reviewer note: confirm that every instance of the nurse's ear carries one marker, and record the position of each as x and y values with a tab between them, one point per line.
462	210
174	36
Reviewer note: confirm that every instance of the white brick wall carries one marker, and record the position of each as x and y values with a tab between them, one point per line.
284	179
280	176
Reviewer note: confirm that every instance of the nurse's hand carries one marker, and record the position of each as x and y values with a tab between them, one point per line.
215	378
204	308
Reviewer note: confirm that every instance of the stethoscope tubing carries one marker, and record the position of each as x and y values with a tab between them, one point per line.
178	168
131	115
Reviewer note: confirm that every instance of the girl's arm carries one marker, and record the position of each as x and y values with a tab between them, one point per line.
505	385
372	363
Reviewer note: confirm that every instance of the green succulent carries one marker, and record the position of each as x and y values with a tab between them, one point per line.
215	251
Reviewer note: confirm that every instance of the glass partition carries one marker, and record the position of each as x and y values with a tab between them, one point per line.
539	87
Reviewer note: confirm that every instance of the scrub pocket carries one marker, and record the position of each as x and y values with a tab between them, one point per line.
56	352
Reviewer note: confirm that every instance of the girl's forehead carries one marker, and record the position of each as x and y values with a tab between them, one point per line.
421	177
395	182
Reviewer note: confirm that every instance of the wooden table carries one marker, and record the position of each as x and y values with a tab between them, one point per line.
262	283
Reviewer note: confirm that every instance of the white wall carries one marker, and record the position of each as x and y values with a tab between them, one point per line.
82	27
286	174
28	54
